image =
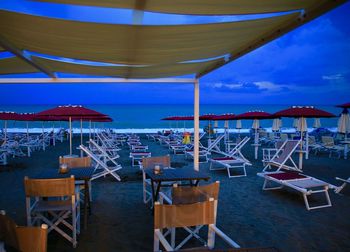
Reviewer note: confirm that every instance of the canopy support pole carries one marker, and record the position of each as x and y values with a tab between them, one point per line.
89	129
20	54
196	126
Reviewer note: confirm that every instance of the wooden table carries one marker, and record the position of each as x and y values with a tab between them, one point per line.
192	176
79	173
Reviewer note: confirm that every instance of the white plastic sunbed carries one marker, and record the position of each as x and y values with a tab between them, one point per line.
304	184
230	164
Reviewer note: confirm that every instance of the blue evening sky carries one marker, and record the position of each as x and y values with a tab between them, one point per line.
310	65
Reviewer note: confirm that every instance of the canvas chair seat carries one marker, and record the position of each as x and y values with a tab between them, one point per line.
57	205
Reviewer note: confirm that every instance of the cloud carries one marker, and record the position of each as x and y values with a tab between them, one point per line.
333	77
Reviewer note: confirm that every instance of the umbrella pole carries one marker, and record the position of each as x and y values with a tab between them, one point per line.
27	132
89	129
301	146
53	134
70	136
42	127
256	140
5	123
81	136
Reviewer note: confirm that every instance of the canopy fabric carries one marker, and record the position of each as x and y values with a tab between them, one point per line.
134	44
14	65
7	116
199	7
303	111
224	117
345	105
154	71
76	112
276	124
254	115
207	117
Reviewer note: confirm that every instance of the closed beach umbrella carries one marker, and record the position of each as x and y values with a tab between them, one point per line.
295	122
302	125
8	116
256	116
73	112
226	118
303	112
317	123
238	124
276	124
344	123
256	124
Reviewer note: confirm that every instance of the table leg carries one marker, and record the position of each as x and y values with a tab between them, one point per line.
86	202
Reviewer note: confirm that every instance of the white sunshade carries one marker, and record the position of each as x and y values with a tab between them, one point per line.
302	124
238	124
317	123
295	122
199	7
344	123
256	124
133	44
276	124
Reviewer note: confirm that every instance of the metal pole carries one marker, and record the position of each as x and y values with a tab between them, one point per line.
70	136
196	126
89	129
81	135
5	122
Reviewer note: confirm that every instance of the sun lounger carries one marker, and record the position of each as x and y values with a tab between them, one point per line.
346	181
101	168
304	184
329	145
203	155
136	157
230	164
282	155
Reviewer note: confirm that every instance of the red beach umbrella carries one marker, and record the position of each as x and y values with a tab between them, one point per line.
345	105
256	116
303	112
73	112
7	116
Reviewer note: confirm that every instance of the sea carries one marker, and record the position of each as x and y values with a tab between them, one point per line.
147	118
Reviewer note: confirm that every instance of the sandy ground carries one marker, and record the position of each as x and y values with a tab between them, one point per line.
120	221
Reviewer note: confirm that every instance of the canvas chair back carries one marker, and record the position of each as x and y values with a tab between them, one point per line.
75	161
200	213
49	187
312	140
285	151
284	137
189	195
327	141
149	162
25	239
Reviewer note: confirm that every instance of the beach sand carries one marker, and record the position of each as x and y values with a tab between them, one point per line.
120	221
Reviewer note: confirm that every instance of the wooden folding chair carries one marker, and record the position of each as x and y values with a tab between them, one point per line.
185	215
190	195
54	202
74	162
25	239
149	163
